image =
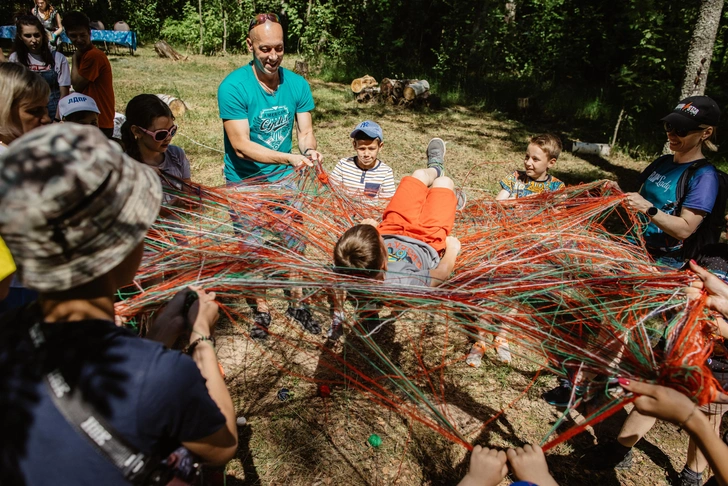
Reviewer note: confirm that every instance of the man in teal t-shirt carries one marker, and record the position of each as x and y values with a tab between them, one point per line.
258	105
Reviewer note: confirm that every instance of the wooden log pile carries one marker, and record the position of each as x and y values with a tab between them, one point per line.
368	94
176	105
399	92
165	50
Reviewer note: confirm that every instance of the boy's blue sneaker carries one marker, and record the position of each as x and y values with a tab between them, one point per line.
304	317
436	156
261	321
688	477
561	395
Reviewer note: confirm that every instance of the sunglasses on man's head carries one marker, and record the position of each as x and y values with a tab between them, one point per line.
260	19
679	132
160	135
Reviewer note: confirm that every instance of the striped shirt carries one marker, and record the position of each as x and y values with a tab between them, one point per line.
375	182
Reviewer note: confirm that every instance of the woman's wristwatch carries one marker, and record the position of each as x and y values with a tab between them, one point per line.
652	212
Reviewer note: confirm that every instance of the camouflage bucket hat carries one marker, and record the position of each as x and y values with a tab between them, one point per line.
73	205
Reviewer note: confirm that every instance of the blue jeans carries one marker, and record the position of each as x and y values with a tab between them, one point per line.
254	233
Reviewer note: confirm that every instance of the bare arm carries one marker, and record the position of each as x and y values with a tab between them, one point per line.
306	140
219	447
503	195
338	298
78	82
441	274
59	24
238	132
679	227
671	405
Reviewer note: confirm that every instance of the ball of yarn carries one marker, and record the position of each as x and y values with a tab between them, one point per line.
324	391
374	440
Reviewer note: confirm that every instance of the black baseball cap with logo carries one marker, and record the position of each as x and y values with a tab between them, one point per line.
693	112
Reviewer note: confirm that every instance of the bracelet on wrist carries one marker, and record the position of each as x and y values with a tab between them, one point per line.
305	152
690	415
191	347
205	338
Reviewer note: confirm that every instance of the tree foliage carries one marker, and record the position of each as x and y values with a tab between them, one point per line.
578	61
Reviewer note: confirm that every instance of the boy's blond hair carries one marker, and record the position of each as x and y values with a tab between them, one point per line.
359	252
549	143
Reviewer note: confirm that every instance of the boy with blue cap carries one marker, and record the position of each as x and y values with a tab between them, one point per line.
364	173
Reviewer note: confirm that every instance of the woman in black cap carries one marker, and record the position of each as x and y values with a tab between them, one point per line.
690	128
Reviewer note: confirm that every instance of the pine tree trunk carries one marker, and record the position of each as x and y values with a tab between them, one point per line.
701	48
700	52
510	16
224	28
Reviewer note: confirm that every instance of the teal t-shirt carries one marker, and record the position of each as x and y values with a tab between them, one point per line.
660	188
271	117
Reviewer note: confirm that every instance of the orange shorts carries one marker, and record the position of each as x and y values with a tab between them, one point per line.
422	213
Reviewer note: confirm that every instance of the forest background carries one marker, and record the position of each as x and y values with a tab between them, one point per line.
580	63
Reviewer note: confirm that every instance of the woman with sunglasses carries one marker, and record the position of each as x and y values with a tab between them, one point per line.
146	135
690	128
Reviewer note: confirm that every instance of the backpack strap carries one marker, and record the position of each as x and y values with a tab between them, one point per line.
681	190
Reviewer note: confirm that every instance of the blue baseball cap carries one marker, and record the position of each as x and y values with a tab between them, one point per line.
370	129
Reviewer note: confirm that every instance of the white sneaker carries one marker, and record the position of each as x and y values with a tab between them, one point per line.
475	356
502	349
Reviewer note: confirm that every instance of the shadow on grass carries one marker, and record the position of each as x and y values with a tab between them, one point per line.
256	405
563	466
246	459
661	459
626	177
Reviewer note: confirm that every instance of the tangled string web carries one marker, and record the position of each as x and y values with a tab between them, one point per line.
576	299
